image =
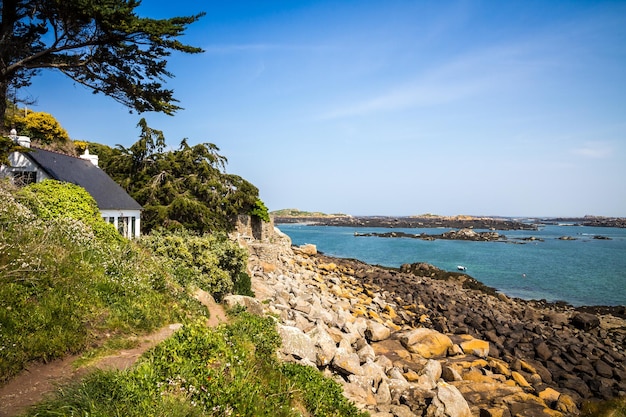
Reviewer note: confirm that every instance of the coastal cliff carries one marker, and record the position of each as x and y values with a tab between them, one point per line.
419	341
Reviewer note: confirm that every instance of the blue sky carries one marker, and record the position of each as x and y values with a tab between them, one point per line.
394	107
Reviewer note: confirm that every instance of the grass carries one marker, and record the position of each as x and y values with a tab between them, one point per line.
62	287
65	289
228	371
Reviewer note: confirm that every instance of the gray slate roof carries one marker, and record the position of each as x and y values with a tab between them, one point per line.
108	194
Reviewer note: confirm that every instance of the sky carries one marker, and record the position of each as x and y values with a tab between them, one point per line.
393	107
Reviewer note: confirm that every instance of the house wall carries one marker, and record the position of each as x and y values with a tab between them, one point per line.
20	163
127	222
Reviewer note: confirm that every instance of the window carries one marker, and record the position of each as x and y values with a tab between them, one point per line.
21	178
122	225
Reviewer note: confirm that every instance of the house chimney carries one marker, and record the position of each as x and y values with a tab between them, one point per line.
23	141
91	158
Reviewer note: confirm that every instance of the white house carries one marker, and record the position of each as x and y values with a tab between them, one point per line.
116	206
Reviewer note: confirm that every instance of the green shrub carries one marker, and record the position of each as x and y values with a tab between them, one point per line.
243	285
210	261
51	199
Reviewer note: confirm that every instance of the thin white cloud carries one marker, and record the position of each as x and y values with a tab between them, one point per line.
518	65
463	77
594	150
422	94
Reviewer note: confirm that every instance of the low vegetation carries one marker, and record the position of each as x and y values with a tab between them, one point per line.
609	408
64	286
211	262
228	371
64	282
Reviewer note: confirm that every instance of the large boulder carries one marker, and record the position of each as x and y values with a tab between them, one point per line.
475	347
325	345
448	402
252	305
308	249
296	343
425	342
347	362
376	332
585	321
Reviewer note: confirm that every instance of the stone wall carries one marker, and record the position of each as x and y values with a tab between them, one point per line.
263	241
252	228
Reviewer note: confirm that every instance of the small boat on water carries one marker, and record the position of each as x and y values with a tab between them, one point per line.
461	268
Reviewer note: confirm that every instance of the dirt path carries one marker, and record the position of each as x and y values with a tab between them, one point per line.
38	380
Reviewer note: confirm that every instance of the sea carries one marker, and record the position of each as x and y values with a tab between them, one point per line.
582	271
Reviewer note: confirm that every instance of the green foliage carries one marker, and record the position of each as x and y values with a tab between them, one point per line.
61	285
184	188
243	285
228	371
53	199
606	408
260	211
12	112
50	199
321	396
211	261
104	46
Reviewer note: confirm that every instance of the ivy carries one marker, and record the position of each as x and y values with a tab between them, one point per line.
260	211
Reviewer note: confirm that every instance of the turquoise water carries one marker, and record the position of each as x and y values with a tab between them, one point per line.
585	271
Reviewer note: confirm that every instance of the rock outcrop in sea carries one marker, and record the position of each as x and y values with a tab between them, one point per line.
419	341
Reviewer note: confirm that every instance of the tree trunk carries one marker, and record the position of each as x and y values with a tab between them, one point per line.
8	18
4	86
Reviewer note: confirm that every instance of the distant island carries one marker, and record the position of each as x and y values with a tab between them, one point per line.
290	216
596	221
421	221
299	213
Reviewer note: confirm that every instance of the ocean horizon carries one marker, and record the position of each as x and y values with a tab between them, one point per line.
586	269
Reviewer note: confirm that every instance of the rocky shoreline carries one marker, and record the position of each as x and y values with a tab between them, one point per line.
419	341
